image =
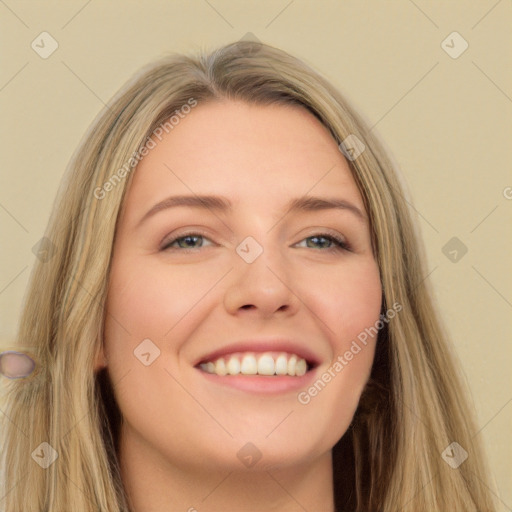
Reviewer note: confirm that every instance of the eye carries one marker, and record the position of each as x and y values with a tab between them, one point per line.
192	241
187	241
336	243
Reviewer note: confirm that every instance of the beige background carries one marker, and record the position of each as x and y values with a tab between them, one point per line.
447	122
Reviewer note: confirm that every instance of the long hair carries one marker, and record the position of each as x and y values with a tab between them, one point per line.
414	405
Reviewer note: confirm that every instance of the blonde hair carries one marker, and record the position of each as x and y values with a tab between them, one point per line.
414	405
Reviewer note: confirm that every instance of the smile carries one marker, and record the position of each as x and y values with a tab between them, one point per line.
250	363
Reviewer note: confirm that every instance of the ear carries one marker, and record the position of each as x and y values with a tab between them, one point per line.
100	361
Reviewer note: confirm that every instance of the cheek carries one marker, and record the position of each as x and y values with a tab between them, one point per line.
147	300
348	301
350	307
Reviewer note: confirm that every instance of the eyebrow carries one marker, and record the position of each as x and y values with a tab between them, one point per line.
222	204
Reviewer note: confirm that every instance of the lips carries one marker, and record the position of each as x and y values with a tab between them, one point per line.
277	357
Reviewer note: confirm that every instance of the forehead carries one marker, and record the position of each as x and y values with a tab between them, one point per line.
253	154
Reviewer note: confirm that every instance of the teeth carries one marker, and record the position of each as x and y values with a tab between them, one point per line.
282	365
249	366
220	367
292	362
300	368
265	364
233	366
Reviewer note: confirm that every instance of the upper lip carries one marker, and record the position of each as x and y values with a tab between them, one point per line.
261	346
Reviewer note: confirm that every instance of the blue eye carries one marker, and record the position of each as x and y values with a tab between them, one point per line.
191	241
188	240
339	244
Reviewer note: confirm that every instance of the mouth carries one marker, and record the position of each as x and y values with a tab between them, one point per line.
259	372
266	364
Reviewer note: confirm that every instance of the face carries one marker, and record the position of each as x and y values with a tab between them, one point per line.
201	290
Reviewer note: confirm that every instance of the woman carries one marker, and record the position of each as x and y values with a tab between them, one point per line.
235	316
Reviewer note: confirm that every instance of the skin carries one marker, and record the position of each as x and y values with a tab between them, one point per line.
181	433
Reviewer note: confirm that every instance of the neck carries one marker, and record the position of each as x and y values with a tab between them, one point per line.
154	485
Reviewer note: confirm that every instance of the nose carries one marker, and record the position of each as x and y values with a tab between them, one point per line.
262	287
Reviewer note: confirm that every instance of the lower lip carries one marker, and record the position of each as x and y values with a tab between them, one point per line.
265	384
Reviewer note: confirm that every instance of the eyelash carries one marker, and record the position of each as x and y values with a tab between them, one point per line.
340	244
